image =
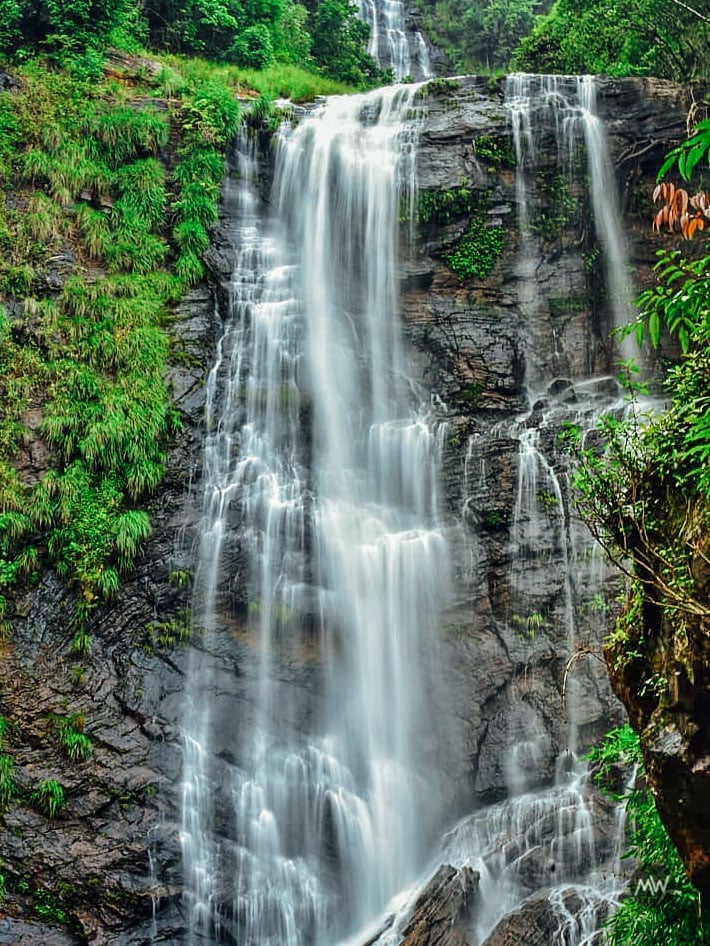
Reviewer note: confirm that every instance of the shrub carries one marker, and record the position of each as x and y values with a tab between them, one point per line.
253	47
49	798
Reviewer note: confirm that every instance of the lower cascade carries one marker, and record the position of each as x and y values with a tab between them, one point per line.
320	816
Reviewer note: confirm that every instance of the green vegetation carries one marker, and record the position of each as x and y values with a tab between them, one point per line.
440	206
74	743
49	907
495	152
646	497
648	915
527	625
164	635
7	782
477	36
7	768
560	209
477	251
324	36
644	37
49	798
90	361
437	87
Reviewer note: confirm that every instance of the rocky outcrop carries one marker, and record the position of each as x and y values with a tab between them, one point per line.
505	364
89	868
566	916
673	725
441	914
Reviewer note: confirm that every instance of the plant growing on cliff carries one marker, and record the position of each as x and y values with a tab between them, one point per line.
650	913
7	782
49	798
75	744
647	498
478	250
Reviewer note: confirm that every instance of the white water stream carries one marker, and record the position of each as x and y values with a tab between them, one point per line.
331	458
393	44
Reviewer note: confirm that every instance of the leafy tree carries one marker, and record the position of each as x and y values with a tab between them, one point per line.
493	29
253	48
646	496
339	40
667	38
67	28
478	34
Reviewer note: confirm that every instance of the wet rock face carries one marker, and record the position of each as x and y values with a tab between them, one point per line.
88	871
441	914
505	360
540	919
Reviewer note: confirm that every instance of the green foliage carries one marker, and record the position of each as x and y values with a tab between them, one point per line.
690	153
264	34
73	31
165	635
253	48
647	496
440	206
339	40
123	133
527	625
437	87
7	782
646	916
643	37
680	301
180	578
48	907
560	207
477	37
75	744
49	798
478	250
495	152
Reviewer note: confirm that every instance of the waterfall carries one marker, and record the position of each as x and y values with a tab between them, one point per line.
393	43
562	107
320	448
566	105
323	552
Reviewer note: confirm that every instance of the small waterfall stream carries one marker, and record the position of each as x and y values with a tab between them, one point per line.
394	44
323	456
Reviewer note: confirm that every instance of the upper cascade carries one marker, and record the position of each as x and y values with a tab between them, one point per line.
395	43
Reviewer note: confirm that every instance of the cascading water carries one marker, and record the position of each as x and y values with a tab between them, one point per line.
323	457
393	44
319	444
565	106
